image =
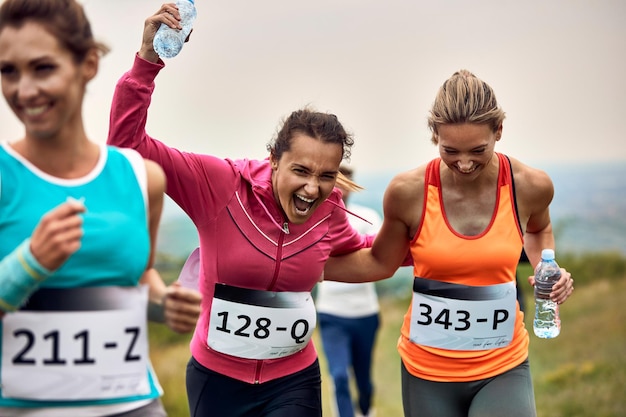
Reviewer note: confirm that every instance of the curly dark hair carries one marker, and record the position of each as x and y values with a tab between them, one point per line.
322	126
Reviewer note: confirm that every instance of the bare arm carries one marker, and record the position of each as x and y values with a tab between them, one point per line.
180	306
391	244
535	193
156	192
174	305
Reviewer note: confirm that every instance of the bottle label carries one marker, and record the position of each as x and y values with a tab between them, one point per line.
460	317
256	324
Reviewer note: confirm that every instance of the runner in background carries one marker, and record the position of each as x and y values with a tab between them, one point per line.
348	315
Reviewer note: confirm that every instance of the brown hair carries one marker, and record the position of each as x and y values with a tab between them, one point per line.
322	126
63	19
464	98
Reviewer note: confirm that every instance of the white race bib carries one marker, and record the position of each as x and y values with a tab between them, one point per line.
255	324
80	344
460	317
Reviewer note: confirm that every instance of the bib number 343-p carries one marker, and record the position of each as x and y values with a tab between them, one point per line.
456	317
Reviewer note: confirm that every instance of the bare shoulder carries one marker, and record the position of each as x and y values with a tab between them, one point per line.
156	176
533	186
406	185
404	197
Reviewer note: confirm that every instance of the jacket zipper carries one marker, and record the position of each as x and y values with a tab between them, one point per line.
279	254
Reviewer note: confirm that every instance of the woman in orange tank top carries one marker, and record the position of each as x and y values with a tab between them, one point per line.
465	217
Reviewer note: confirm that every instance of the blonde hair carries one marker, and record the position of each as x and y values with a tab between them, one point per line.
347	184
464	98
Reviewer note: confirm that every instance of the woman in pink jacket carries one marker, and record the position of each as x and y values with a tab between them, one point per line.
266	229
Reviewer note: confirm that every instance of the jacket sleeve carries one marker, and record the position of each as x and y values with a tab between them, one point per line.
195	182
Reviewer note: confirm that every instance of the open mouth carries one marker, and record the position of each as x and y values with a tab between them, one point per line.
302	204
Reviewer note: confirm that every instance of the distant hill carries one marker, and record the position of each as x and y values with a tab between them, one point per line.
588	210
589	207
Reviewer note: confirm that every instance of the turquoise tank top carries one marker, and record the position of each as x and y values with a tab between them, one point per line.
116	244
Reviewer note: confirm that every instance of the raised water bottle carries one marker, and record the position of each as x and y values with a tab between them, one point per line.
168	42
547	323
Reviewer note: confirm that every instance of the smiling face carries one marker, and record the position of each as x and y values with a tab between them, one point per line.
467	148
305	176
41	81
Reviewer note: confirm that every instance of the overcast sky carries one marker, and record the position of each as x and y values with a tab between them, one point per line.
558	69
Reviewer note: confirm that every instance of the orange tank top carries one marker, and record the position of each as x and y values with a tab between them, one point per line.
490	258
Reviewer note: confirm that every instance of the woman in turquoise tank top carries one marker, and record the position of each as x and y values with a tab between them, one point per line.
78	223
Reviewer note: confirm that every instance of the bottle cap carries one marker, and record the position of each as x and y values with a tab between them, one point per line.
547	254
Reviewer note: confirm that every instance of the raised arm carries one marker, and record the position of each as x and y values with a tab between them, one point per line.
133	93
193	180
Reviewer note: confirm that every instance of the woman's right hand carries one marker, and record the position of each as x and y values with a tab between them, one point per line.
58	234
182	308
168	14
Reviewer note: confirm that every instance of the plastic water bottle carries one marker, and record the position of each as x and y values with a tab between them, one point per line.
547	323
168	42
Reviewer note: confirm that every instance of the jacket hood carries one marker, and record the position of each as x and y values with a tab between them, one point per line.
257	172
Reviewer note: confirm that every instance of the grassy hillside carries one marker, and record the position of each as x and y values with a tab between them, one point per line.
581	373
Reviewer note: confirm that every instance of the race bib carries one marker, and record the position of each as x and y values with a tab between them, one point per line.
77	344
255	324
461	317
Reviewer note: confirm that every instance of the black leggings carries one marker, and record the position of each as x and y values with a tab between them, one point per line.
509	394
211	394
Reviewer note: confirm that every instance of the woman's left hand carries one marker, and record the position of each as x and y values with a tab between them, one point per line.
563	288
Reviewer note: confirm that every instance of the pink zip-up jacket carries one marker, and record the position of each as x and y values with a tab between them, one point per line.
244	239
